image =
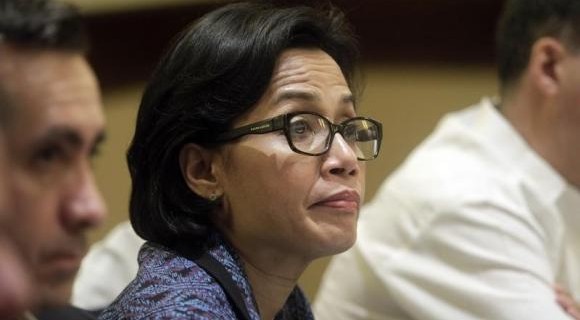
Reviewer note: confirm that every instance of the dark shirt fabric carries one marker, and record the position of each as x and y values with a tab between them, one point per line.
169	286
66	313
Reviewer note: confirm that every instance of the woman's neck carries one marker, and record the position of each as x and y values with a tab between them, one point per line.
272	280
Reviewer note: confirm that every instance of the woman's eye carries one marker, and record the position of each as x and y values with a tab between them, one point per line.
300	127
350	132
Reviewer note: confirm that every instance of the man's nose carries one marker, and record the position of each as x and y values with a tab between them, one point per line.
85	207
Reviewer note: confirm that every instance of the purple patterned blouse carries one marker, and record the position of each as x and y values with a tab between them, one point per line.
169	286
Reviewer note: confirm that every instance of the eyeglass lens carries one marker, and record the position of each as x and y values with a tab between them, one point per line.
311	134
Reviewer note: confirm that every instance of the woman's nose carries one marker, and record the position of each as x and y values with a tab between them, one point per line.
341	159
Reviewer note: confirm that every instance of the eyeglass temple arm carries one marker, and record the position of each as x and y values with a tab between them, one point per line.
261	127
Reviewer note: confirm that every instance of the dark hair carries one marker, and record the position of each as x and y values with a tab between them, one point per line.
39	24
42	24
523	22
216	71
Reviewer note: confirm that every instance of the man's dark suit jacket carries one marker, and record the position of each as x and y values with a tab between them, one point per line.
65	313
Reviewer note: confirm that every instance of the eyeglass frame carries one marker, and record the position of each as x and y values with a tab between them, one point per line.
282	122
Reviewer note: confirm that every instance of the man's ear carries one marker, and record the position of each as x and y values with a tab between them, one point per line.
546	60
198	169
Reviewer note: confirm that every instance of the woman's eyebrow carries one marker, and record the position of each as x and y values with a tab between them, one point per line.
349	98
296	95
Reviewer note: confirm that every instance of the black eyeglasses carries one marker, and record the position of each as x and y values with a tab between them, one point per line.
311	134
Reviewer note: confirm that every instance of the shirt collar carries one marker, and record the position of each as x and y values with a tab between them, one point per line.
569	204
28	316
515	152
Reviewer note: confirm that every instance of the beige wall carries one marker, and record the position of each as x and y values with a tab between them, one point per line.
110	168
407	99
100	6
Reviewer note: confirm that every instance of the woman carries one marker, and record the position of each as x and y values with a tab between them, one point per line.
247	164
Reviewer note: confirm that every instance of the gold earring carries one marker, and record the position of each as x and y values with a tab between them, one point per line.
214	196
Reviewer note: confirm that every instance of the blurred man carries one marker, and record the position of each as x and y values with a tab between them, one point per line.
483	220
54	130
14	283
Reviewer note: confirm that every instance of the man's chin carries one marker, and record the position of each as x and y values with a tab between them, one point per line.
54	295
15	290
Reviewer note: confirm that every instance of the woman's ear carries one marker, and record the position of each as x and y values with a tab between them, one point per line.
197	167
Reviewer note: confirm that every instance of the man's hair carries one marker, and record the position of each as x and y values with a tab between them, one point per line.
523	22
39	24
42	24
216	71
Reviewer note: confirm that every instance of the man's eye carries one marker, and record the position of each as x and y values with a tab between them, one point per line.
49	154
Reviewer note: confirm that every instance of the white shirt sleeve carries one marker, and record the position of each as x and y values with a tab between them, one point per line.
479	262
107	269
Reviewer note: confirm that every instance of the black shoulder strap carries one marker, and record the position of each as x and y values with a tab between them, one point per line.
219	273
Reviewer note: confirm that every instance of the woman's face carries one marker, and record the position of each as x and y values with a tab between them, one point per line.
278	201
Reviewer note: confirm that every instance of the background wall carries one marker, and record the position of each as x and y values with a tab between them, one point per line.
422	59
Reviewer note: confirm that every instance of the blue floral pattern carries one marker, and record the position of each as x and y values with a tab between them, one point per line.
169	286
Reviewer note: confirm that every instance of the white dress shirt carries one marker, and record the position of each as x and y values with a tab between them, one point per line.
474	225
107	269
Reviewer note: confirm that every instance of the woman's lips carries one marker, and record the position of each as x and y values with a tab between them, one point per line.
347	200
